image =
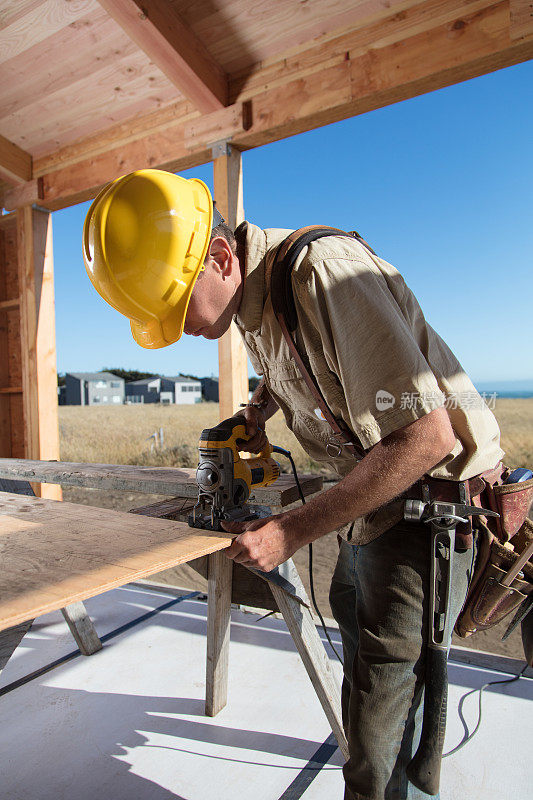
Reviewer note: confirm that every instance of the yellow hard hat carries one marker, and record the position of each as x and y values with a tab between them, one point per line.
145	239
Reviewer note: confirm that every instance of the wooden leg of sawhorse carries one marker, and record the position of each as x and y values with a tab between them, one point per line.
220	569
10	640
82	628
309	645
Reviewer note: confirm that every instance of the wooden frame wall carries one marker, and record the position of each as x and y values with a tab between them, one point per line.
28	376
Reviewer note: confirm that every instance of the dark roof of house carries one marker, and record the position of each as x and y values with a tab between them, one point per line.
95	376
172	378
181	379
144	381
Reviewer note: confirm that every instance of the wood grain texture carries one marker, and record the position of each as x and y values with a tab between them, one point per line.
40	21
232	358
15	163
37	337
521	26
82	628
316	661
10	640
218	632
54	554
150	480
160	33
429	55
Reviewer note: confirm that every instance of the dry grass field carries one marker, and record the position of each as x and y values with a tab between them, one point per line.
120	436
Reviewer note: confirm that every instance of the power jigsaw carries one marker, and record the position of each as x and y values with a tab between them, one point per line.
225	480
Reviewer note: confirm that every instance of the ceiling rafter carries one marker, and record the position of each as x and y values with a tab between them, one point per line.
159	31
15	163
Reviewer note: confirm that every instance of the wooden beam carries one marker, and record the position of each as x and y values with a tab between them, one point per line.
55	554
521	19
470	45
15	163
147	480
232	358
37	333
24	194
159	31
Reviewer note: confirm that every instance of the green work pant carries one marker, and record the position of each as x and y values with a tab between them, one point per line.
379	597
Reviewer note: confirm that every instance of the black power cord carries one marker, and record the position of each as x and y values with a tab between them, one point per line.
288	455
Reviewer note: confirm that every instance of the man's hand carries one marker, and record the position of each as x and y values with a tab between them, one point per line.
255	428
262	543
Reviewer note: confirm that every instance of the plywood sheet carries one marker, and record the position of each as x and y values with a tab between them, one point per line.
54	553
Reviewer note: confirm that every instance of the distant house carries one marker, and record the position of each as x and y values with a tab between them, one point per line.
210	389
164	389
93	388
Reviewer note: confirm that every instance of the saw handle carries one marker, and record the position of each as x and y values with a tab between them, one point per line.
229	433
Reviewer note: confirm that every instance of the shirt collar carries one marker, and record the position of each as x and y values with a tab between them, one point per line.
255	245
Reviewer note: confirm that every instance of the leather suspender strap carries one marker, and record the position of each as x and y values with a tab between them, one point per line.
279	277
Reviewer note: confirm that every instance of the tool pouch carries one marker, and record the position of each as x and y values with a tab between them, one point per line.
488	601
500	544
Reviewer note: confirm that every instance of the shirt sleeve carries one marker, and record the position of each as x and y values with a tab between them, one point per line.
368	344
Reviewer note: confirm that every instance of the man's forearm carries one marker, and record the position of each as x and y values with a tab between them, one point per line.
264	399
390	468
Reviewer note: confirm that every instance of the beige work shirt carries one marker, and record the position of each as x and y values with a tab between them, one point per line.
378	363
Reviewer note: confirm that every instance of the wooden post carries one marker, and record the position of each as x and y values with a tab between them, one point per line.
232	360
220	569
82	628
37	334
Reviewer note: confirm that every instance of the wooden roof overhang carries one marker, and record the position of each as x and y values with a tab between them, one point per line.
94	89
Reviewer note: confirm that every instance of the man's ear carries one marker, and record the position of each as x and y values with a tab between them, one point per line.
222	256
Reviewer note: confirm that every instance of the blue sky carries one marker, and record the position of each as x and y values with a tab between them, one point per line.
440	185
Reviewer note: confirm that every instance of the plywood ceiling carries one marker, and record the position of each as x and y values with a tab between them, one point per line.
96	87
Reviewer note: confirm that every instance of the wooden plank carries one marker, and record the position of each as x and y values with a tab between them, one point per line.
521	19
6	305
5	415
105	95
471	45
24	194
211	128
316	56
40	21
490	661
15	163
23	86
37	330
218	632
316	661
242	34
55	554
163	146
159	31
10	640
11	390
232	358
76	616
148	480
82	628
118	135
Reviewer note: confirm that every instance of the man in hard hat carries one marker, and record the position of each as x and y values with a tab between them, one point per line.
154	251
